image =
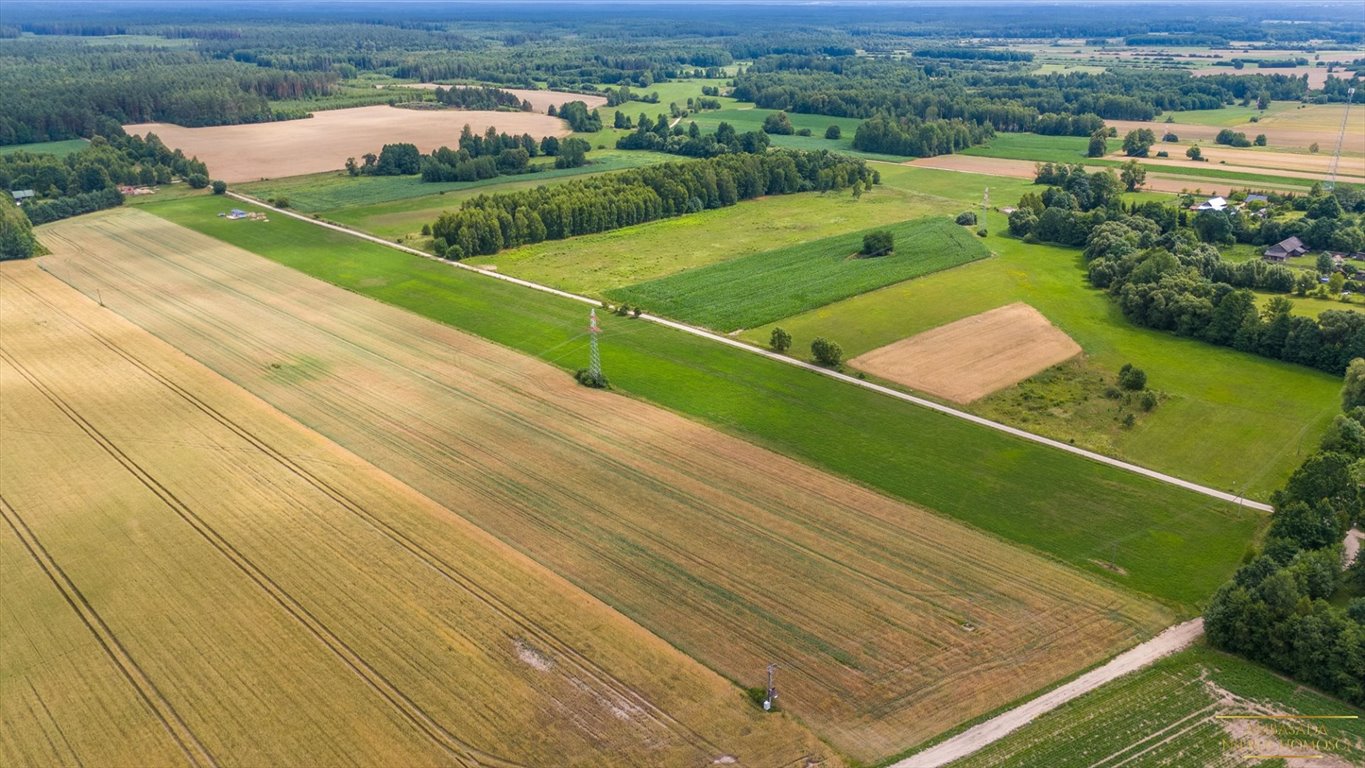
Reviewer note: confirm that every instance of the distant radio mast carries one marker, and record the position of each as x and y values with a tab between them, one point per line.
594	356
1341	136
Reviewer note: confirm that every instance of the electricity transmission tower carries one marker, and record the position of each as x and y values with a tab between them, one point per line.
594	355
772	689
985	206
1341	136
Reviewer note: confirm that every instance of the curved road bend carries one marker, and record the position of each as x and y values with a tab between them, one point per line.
721	339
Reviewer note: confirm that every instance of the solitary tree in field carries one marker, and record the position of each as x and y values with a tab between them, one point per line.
833	132
1194	153
1137	142
878	243
1133	175
780	341
826	352
219	186
1098	143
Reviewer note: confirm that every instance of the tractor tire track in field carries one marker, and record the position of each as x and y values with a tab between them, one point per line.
566	653
465	754
195	751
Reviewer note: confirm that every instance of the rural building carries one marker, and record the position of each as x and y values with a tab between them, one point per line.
1285	249
1257	199
1212	204
20	195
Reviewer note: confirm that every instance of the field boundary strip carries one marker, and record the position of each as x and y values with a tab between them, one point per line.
744	346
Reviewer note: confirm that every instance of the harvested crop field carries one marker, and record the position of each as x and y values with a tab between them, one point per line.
1289	129
889	623
322	142
975	356
210	579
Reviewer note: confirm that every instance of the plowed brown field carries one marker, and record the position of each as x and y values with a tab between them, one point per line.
189	576
323	142
975	356
889	623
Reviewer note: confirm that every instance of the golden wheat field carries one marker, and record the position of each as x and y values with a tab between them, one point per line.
187	576
890	624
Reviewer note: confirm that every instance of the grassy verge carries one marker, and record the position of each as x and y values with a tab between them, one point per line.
1176	546
768	286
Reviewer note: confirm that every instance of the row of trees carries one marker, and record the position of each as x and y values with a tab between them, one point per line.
489	223
480	97
44	211
105	163
16	232
657	136
1175	283
579	118
1275	610
913	137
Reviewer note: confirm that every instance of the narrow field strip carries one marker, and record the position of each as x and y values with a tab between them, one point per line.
405	634
737	556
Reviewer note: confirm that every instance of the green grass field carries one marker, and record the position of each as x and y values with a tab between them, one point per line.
1169	543
762	287
1167	715
1257	418
1033	146
594	264
58	148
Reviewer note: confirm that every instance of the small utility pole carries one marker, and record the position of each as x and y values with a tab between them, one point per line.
772	689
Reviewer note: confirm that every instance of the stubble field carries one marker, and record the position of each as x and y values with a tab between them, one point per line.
889	623
208	582
975	356
322	142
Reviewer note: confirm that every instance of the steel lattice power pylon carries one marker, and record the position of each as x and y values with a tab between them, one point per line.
594	356
1341	136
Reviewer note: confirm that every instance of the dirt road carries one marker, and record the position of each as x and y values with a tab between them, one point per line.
978	736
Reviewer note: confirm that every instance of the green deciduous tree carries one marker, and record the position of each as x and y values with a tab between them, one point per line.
826	352
780	340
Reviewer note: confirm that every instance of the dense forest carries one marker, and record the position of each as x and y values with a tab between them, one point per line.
489	223
231	62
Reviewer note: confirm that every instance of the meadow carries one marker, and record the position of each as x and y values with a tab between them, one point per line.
770	285
1257	418
594	264
220	584
1167	543
1168	715
58	148
734	555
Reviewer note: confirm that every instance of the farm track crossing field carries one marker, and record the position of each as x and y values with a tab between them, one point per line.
200	579
322	142
880	614
762	287
975	356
